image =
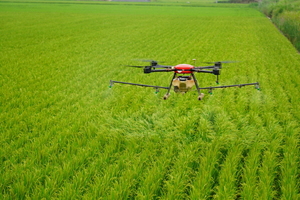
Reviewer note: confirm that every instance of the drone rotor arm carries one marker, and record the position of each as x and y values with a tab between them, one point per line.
163	66
205	67
225	61
163	70
203	71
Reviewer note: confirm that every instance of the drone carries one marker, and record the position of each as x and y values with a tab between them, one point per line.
184	77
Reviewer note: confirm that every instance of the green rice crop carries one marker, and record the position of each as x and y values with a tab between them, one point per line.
66	135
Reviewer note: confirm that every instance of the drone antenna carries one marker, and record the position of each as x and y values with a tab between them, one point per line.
194	61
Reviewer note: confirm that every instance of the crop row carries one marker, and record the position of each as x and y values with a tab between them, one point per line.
65	134
136	168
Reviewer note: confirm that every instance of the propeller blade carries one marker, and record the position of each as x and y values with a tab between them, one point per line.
205	67
227	61
148	60
135	66
230	61
157	66
154	63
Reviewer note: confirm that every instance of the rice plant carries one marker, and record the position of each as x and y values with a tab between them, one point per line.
66	135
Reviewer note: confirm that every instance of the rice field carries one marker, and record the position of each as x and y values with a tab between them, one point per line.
66	135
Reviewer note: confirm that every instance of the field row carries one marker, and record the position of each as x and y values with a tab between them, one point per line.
152	167
65	134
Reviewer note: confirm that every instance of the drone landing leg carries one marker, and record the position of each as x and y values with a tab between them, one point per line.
168	93
201	95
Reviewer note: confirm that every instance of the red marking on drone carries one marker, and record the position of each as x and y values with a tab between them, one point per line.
183	69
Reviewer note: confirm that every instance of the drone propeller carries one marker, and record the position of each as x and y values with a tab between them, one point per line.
156	66
206	67
135	66
148	60
215	68
153	63
217	65
217	62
